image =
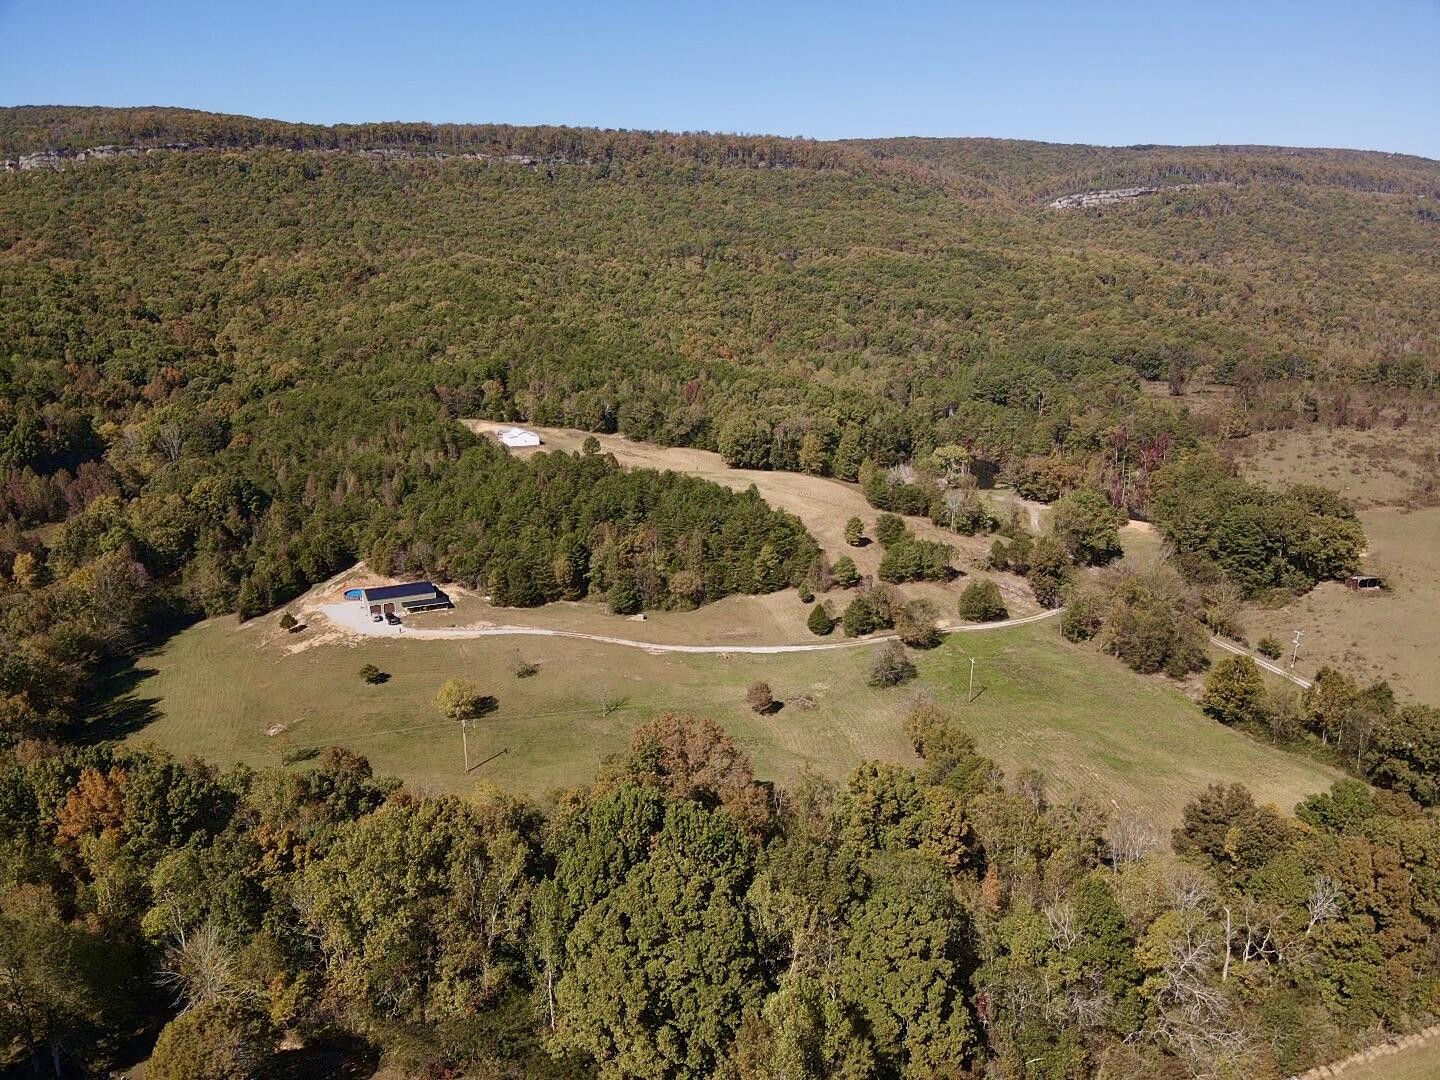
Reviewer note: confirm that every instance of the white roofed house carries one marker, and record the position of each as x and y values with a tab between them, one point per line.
518	438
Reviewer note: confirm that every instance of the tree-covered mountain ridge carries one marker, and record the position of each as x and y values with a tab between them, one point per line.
980	168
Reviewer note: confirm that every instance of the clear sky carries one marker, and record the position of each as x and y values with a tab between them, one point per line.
1359	73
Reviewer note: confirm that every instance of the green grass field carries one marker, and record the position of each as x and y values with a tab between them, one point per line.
1415	1063
1088	724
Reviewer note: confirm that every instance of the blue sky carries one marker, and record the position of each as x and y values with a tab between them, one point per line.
1360	74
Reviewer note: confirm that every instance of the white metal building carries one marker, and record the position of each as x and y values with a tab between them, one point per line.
519	438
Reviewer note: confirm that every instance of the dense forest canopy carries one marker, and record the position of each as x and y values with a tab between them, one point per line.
677	919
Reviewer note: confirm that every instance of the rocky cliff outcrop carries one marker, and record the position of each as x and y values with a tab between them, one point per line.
1084	199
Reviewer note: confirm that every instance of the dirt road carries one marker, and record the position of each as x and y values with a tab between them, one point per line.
353	618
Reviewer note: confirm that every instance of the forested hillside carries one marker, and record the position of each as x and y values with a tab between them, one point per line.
232	366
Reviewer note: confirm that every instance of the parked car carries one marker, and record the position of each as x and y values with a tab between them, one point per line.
377	617
392	619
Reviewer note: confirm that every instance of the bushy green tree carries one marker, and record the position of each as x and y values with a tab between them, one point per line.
845	463
624	595
981	602
890	529
672	939
903	965
844	572
1234	691
1087	526
1048	569
224	1039
745	442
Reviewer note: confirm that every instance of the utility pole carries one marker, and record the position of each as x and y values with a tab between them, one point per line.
465	743
971	696
1295	652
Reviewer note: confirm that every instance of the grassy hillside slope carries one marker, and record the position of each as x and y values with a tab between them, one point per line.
1092	728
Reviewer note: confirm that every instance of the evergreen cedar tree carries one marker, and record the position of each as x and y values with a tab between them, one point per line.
163	457
844	572
820	623
981	602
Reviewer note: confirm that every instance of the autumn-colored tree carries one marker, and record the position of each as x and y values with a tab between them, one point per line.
461	700
759	698
693	758
95	806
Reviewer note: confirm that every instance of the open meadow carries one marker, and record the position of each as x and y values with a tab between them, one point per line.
1393	634
1380	466
1093	728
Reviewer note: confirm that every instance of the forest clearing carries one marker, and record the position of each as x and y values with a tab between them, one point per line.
1041	702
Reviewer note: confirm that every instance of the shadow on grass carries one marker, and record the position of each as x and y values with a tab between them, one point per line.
492	757
337	1058
113	709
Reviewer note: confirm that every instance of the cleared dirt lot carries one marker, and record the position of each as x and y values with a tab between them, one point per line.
821	503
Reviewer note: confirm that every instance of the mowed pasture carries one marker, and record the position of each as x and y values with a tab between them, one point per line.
1378	467
1393	634
1090	726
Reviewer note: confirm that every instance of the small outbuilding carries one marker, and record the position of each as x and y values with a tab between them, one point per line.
411	597
518	438
1364	583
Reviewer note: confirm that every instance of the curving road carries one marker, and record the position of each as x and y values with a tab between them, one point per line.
352	618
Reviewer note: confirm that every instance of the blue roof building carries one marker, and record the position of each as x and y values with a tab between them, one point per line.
412	596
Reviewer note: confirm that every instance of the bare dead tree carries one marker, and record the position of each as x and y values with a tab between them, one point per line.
903	473
1195	1016
170	441
1064	933
1324	902
1131	838
1190	889
200	968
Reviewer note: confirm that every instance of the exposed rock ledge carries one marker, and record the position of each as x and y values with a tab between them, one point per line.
1084	199
55	160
